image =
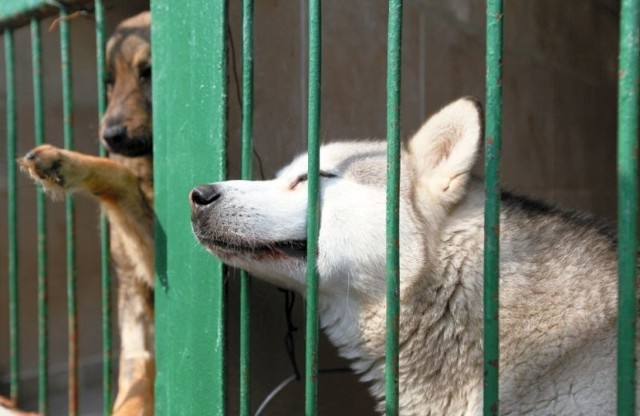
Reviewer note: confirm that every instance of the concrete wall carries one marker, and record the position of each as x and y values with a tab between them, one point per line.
559	138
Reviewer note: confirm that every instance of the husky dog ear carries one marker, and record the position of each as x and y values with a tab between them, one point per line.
444	150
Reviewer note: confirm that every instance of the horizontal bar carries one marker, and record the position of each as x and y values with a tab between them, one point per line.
627	204
16	13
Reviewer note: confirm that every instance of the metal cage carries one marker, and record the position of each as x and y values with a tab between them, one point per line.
198	115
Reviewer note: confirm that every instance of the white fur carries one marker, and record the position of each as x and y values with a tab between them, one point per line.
558	282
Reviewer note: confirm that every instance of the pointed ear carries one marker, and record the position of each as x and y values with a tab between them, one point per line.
444	150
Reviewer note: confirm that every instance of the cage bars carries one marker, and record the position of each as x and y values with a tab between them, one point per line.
313	207
394	43
168	271
247	165
493	139
41	219
12	219
190	127
627	205
105	272
67	123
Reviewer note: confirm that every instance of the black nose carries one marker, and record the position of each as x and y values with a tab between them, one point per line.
115	134
204	194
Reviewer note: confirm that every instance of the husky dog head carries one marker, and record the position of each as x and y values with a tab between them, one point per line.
558	292
260	226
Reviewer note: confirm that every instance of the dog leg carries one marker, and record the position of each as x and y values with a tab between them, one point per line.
116	187
132	248
137	365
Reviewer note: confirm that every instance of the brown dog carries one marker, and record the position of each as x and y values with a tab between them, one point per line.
123	184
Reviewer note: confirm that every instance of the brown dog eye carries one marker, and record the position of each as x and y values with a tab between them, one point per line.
145	74
109	81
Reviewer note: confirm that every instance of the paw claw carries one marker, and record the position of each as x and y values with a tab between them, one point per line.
45	164
31	155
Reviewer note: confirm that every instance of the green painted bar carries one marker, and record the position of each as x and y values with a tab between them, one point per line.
313	208
247	165
16	13
190	127
105	256
627	203
394	59
12	220
493	138
12	8
67	118
41	221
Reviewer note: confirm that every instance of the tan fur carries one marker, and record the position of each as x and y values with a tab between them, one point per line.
123	185
8	408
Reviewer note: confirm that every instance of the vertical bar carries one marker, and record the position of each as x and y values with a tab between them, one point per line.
14	329
493	135
394	58
105	280
67	116
247	164
313	209
190	128
627	204
41	220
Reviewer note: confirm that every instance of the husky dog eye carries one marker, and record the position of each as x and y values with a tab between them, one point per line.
304	177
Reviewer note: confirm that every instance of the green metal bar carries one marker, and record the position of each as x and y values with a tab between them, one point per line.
14	328
17	13
493	135
105	281
394	59
313	208
247	164
67	117
627	204
41	220
190	128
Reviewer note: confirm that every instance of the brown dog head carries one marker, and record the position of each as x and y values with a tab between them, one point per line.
126	125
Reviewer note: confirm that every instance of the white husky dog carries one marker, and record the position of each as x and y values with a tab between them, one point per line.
558	272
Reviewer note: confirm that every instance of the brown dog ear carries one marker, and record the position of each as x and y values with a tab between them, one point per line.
445	148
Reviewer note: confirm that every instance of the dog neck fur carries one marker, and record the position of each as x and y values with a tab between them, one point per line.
439	296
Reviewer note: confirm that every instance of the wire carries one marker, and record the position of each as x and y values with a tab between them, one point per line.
274	393
289	296
236	78
289	340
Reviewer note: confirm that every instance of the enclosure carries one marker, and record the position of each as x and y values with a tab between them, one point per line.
559	80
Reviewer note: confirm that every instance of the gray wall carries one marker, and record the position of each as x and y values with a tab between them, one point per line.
559	139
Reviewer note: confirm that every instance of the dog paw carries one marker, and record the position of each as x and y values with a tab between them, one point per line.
51	167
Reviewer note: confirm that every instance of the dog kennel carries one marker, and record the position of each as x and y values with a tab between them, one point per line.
190	79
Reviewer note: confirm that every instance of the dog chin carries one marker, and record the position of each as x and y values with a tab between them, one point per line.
132	147
294	249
